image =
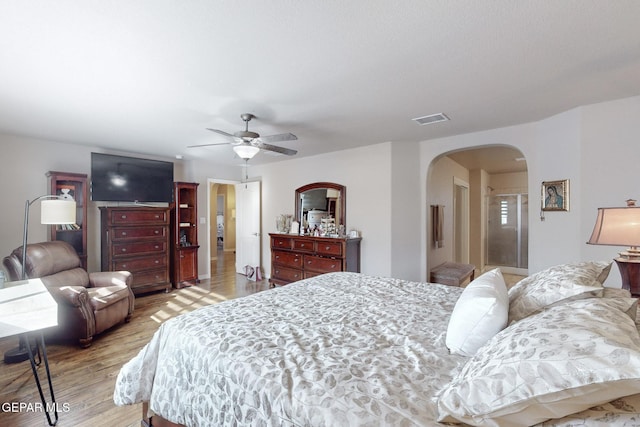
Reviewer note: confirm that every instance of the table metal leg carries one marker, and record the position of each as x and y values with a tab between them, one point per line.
46	407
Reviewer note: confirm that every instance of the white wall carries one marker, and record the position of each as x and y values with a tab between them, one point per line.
406	236
25	163
594	146
609	175
510	183
366	173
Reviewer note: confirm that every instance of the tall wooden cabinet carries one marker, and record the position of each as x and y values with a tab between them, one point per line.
300	257
184	234
136	239
73	185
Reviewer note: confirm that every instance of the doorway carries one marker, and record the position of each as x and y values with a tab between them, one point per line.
508	232
461	221
222	220
476	174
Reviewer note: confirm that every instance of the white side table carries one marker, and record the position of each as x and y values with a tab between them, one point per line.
26	308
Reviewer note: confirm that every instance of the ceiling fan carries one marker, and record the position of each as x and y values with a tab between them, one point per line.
247	144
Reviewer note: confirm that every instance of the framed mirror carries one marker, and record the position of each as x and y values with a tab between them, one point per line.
321	199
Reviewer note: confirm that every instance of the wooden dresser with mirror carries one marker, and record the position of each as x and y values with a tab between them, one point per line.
299	256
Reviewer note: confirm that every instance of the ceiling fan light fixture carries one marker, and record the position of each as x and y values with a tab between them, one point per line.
246	151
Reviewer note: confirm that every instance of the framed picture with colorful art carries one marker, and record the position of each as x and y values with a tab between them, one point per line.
555	195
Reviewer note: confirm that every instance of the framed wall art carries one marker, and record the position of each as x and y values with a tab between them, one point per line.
555	195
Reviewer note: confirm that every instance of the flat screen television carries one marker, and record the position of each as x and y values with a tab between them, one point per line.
130	179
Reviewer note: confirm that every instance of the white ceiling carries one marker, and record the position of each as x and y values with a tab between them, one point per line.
148	76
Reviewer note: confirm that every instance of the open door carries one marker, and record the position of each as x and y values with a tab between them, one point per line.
248	232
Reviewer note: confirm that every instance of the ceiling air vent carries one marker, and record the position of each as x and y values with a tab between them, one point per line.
433	118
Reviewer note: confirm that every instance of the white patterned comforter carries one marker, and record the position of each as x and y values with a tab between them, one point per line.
343	349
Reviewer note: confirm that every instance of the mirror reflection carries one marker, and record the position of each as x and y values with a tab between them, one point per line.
317	204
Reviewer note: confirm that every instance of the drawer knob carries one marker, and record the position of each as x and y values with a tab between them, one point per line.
123	217
124	233
326	248
124	249
277	256
124	265
302	245
157	261
157	216
156	247
157	231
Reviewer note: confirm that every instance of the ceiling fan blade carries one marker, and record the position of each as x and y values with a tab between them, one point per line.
279	137
209	145
276	149
221	132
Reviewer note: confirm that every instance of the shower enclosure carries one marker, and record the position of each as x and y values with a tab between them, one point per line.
507	232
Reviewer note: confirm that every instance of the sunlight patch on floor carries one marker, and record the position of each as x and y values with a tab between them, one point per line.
160	316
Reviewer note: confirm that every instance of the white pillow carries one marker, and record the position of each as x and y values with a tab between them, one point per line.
481	312
563	360
557	284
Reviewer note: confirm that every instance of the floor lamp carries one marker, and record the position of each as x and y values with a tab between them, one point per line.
53	210
621	227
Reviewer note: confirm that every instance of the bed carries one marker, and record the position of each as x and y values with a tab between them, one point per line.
347	349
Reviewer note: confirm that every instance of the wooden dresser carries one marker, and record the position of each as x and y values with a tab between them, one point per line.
136	239
299	257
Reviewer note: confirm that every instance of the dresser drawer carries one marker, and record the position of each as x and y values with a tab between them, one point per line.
134	248
309	274
122	233
141	263
329	248
150	277
303	245
287	259
133	216
322	265
286	274
281	243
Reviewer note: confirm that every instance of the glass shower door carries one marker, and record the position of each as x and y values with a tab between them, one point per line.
507	231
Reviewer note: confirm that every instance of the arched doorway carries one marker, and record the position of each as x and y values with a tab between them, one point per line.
469	184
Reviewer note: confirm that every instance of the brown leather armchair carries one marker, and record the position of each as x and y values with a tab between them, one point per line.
88	304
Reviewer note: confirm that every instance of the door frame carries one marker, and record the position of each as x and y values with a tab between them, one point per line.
460	221
210	182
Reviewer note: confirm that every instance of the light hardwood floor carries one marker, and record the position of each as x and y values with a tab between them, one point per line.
84	379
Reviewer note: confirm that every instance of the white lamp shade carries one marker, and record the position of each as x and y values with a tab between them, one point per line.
58	211
246	151
617	227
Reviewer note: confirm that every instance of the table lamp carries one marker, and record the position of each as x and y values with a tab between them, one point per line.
621	227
